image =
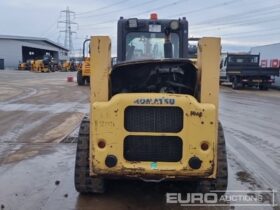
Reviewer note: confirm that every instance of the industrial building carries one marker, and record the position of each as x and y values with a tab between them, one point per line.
15	49
269	56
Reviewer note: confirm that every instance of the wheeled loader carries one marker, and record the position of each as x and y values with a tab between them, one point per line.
83	71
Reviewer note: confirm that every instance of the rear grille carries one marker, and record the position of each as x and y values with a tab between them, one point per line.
153	119
153	148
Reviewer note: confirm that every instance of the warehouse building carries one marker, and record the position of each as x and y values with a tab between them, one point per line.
15	49
269	56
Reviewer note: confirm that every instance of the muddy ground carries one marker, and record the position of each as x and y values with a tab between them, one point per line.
38	110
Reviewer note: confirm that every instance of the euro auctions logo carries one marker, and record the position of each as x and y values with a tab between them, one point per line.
221	198
192	198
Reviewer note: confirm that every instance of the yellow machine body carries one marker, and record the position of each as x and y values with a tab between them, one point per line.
86	67
200	118
22	66
79	66
66	65
83	73
38	66
108	125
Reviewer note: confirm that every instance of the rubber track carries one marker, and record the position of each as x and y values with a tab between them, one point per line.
83	182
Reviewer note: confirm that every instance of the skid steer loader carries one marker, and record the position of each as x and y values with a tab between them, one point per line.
154	115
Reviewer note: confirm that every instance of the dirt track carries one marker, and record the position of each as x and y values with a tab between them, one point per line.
36	172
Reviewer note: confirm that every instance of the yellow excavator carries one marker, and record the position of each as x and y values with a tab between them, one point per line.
154	114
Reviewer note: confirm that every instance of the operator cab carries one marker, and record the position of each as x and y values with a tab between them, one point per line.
152	57
145	39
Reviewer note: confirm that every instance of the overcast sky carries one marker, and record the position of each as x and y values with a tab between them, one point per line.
240	23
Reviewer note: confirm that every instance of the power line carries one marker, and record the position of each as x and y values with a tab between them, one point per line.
49	29
238	18
242	36
109	13
101	8
251	17
160	7
166	6
238	15
152	9
250	33
95	28
202	9
245	22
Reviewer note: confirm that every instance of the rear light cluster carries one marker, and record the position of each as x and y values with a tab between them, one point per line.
195	162
110	160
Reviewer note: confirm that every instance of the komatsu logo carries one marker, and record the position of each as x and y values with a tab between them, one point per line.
161	101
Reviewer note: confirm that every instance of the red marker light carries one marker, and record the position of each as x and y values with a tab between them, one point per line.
153	16
204	146
101	144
